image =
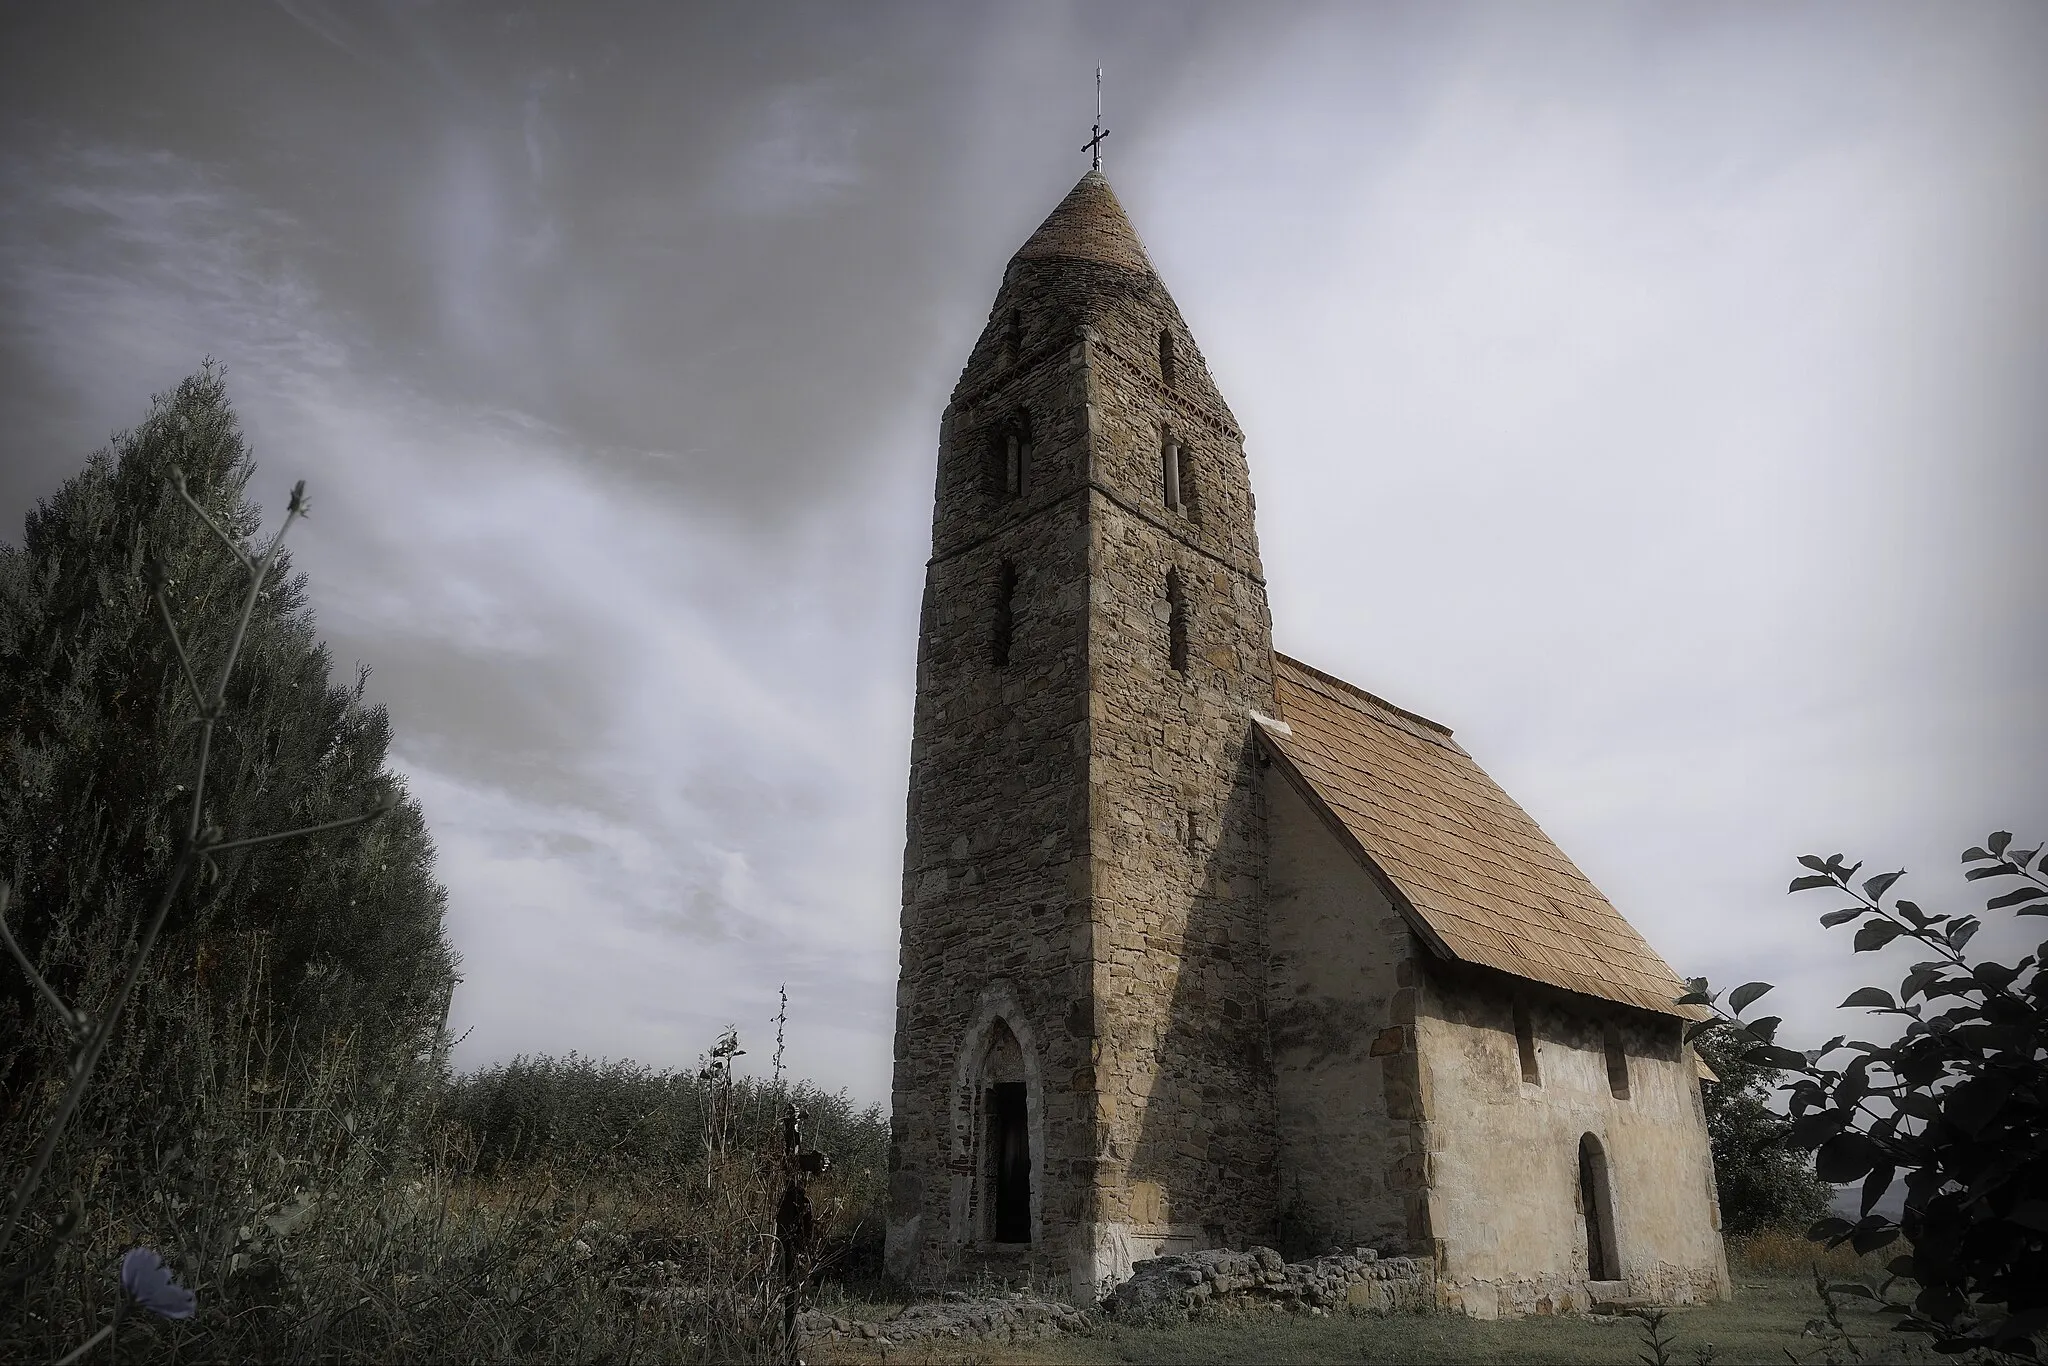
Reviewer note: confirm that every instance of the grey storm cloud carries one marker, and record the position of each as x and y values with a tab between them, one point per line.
1650	393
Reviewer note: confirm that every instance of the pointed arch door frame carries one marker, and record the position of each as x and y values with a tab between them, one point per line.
972	1218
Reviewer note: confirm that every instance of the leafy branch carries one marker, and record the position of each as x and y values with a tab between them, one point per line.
1957	1105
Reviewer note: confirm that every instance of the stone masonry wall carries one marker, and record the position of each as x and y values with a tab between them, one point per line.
1085	840
1174	1289
1177	822
996	896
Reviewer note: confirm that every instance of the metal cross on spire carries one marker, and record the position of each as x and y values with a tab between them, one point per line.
1094	145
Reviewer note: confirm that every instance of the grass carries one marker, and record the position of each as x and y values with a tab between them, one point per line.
567	1210
318	1225
1765	1321
1785	1252
341	1198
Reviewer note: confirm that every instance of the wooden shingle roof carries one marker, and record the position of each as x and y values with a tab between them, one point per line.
1481	881
1088	225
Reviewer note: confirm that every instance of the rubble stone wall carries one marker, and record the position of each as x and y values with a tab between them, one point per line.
996	904
1174	1289
1085	836
1181	1068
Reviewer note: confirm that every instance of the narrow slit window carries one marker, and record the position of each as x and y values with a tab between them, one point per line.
1009	458
1166	359
1525	1044
1006	608
1013	335
1169	472
1617	1062
1194	833
1176	622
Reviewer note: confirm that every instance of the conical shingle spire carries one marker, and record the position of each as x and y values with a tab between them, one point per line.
1088	225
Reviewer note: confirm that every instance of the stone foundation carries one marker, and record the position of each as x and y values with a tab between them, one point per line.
957	1317
1171	1289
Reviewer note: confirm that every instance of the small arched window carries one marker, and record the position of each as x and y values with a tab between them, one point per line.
1170	472
1166	359
1176	622
1005	614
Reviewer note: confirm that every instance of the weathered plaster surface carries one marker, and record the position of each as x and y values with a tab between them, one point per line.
1346	1135
1504	1153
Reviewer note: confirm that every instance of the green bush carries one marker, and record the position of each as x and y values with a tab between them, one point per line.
1955	1109
1762	1186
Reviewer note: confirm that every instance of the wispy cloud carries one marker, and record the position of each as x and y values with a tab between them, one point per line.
794	151
623	758
1651	394
1629	381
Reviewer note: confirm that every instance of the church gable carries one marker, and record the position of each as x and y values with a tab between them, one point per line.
1481	880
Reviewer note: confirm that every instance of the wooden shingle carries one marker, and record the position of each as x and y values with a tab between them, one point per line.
1479	879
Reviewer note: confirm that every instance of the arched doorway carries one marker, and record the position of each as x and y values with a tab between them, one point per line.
997	1172
1596	1207
1006	1140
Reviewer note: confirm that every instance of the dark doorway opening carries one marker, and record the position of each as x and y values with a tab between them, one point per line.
1009	1146
1596	1203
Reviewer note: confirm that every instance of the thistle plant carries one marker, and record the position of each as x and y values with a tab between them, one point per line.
199	845
146	1280
716	1075
1657	1340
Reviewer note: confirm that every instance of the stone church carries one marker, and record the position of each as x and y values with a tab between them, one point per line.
1202	946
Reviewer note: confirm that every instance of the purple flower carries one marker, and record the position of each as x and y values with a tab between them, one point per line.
144	1275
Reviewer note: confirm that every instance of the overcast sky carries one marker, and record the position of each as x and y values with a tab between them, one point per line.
1655	394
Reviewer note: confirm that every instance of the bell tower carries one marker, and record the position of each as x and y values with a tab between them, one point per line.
1081	1070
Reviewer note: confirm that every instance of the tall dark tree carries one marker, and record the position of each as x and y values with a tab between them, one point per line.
328	936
